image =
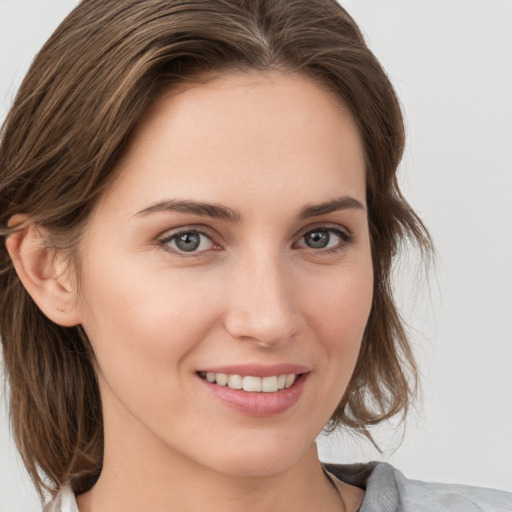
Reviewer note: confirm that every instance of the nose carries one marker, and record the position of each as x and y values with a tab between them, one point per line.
263	306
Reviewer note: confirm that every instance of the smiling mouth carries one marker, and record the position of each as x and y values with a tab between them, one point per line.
251	384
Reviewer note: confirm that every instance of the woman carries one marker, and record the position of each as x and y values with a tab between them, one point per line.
200	207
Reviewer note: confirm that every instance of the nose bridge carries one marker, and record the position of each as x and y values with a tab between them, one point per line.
263	306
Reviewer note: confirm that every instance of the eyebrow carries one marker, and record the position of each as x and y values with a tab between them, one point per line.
215	211
341	203
221	212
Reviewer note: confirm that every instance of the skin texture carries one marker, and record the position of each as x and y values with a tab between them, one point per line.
266	147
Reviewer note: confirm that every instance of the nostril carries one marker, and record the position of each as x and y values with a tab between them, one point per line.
267	328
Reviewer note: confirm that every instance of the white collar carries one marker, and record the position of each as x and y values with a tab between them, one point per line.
64	502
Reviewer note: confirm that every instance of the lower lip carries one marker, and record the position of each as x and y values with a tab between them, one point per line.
258	404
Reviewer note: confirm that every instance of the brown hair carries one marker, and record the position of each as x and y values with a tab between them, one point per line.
74	112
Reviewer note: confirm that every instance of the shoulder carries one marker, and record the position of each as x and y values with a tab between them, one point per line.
388	490
63	502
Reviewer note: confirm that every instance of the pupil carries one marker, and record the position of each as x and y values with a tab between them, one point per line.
188	241
317	239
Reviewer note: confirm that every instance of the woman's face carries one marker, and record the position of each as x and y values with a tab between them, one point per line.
233	246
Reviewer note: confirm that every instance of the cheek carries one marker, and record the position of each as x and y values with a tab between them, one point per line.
339	308
145	320
338	312
143	330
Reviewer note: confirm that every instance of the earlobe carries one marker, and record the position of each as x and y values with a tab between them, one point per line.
43	275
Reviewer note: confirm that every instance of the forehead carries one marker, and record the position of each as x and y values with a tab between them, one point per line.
241	135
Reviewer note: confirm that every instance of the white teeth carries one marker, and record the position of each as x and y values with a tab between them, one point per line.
235	382
290	379
269	384
221	379
250	383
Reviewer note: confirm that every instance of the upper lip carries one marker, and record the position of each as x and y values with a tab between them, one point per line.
258	370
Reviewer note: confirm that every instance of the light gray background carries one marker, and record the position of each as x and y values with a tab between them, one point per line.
451	62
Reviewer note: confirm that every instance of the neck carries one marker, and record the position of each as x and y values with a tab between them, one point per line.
143	472
150	483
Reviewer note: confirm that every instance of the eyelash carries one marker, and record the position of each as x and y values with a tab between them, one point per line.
346	239
166	240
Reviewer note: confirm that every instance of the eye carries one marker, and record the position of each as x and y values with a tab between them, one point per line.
324	238
189	241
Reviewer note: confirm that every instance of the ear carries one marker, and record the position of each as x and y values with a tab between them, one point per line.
43	273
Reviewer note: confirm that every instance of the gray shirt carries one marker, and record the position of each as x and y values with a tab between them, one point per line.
386	490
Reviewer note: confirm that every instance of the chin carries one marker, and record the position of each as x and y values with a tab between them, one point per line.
262	456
